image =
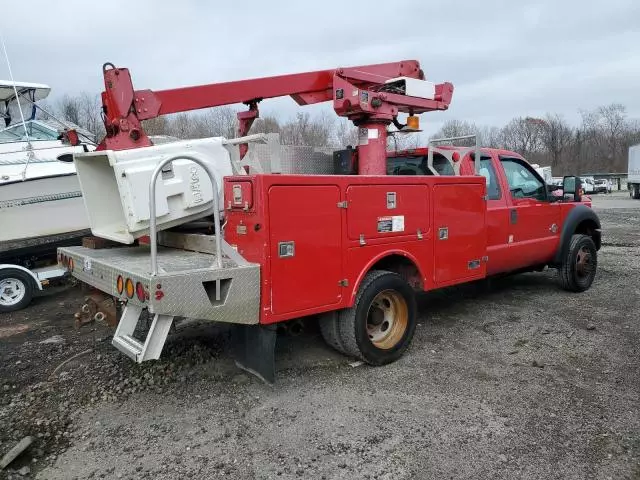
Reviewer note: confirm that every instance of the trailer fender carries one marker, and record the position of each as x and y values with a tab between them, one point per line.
581	219
398	261
36	280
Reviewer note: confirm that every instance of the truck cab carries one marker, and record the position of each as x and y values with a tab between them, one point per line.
526	224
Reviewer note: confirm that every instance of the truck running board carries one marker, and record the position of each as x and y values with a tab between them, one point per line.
139	351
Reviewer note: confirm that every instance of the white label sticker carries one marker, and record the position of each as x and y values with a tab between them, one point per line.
373	133
363	138
397	223
87	264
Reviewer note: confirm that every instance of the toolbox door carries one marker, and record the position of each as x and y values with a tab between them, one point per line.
460	233
306	247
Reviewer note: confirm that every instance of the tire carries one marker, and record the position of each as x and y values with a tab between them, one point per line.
16	289
329	328
578	269
380	325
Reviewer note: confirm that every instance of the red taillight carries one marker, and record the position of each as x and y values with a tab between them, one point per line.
140	292
120	284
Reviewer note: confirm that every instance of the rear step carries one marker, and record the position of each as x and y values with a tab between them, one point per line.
151	349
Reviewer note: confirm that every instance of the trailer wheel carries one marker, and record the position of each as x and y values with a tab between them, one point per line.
578	268
380	325
16	290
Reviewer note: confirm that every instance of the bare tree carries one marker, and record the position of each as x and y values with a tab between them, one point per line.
155	126
599	144
305	130
523	135
267	124
490	136
220	122
69	108
455	128
345	133
402	141
556	137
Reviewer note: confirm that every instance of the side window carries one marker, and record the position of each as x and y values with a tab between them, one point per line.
441	164
523	183
489	173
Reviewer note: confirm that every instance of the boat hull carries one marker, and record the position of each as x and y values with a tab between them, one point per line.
40	208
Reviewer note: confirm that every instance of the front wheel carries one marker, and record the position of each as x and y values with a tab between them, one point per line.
16	289
380	325
578	269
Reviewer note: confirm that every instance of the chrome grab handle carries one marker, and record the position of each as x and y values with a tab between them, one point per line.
153	235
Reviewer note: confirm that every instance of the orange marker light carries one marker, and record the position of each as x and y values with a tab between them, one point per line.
71	264
129	288
120	284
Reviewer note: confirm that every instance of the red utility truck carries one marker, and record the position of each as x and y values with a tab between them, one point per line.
351	248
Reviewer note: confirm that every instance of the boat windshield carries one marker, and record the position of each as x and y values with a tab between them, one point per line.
35	131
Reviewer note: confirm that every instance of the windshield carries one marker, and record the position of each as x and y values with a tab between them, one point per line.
16	133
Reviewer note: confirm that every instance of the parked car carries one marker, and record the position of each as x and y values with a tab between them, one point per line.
602	185
588	185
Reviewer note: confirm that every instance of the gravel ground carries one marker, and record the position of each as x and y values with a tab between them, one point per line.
509	378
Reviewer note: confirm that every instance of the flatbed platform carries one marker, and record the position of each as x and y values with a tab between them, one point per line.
186	284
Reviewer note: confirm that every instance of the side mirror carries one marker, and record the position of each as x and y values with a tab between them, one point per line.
572	188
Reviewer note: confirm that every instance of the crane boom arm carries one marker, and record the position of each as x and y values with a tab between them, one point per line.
362	94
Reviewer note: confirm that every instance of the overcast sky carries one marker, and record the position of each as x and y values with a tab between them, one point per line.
505	58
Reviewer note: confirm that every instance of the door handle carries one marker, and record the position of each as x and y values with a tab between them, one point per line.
513	216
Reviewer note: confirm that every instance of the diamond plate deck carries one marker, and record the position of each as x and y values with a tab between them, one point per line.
186	280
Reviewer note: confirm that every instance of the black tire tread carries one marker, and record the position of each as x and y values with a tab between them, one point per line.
347	317
566	272
330	331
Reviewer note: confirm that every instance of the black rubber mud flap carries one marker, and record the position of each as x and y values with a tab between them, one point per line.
253	348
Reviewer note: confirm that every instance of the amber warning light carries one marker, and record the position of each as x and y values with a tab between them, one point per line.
413	122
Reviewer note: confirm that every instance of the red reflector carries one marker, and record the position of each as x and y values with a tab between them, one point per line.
455	156
159	294
140	291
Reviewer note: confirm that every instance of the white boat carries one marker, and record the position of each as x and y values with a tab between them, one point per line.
40	197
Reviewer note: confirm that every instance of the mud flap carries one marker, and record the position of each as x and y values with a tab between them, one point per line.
253	349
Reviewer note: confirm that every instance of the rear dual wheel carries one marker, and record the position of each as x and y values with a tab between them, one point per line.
380	325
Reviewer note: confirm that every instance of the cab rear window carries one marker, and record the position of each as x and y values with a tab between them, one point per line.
408	165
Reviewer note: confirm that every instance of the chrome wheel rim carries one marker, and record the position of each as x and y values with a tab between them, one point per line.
12	291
